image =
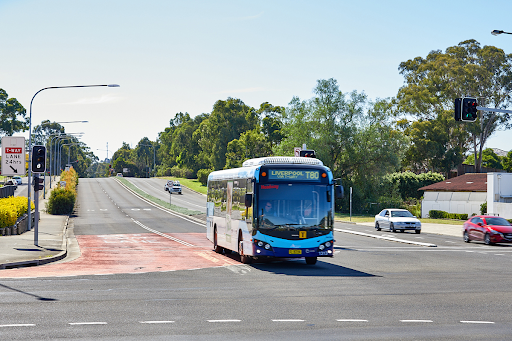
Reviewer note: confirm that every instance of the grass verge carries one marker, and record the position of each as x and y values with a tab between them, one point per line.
160	202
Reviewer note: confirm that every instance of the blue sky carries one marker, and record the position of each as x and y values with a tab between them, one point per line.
183	56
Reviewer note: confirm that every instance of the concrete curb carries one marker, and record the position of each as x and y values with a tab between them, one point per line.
36	262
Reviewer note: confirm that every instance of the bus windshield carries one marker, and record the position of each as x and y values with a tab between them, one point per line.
294	206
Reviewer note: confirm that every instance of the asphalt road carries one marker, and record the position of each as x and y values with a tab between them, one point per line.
372	289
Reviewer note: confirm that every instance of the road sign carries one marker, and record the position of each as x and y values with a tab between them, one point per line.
296	151
13	155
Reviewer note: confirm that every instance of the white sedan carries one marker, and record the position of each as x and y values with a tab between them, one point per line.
396	219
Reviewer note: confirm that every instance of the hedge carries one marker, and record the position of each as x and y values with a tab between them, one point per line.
62	199
11	209
435	214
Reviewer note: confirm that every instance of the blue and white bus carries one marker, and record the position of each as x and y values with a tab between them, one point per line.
273	207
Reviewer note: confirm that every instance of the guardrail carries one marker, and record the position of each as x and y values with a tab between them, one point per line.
6	191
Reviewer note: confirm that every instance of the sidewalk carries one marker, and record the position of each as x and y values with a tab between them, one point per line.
20	251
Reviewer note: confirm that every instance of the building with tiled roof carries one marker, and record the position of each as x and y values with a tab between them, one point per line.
462	194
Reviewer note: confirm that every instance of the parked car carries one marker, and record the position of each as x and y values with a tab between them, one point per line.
173	186
119	174
396	219
489	229
11	182
18	179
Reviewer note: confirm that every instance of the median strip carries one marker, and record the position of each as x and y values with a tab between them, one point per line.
393	239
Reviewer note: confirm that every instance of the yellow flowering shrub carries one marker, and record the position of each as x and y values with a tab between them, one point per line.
11	209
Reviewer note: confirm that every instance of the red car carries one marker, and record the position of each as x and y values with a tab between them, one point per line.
490	229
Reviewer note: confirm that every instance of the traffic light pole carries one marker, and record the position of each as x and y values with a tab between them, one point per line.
36	210
494	110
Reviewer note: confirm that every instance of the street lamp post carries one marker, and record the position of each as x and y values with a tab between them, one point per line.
36	220
498	32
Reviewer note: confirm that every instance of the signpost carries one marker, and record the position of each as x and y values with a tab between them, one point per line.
13	155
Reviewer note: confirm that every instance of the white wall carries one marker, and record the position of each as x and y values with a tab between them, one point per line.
499	194
452	202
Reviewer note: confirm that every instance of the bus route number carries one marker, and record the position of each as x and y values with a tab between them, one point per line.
287	174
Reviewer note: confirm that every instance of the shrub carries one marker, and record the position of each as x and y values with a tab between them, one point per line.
202	176
483	208
435	214
62	201
182	172
11	209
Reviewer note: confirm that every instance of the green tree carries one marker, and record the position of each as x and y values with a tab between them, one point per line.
489	159
228	120
507	162
432	84
252	144
13	116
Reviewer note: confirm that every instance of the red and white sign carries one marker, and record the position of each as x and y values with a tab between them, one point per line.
13	155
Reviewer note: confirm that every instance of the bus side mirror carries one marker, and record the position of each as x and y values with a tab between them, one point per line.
339	192
248	199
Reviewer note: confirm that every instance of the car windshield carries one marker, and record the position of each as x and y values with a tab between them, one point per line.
497	221
404	214
291	206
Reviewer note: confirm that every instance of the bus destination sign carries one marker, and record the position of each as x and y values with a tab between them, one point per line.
294	174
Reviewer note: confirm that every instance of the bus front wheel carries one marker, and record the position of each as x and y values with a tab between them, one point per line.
311	260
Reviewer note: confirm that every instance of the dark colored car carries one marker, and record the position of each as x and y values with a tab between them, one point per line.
489	229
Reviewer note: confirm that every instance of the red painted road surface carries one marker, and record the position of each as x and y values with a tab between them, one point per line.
132	253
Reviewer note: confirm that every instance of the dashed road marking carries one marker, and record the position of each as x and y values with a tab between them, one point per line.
351	320
222	321
86	323
155	322
478	322
416	321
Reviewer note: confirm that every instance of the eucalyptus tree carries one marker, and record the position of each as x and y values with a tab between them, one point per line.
13	116
432	84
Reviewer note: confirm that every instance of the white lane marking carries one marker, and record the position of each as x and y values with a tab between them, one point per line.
351	320
449	241
146	209
478	322
17	325
135	209
86	323
394	239
288	320
156	206
221	321
103	209
155	322
162	234
499	254
416	321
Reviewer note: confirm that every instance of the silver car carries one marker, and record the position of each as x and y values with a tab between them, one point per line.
396	219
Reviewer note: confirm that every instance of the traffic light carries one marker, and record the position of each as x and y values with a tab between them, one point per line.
457	109
38	183
38	159
307	153
469	112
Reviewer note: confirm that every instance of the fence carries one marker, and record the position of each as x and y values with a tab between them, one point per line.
6	191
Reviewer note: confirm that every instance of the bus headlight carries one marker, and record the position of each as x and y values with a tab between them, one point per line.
267	246
328	244
260	243
321	247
